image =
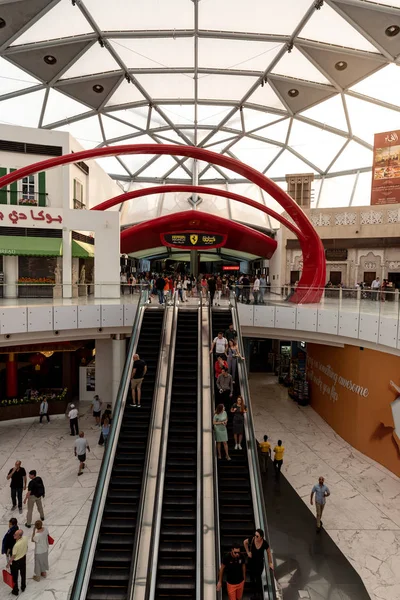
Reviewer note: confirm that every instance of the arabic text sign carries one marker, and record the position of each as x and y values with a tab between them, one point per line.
386	168
192	240
24	216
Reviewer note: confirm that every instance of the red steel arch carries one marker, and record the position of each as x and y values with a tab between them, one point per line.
165	189
313	276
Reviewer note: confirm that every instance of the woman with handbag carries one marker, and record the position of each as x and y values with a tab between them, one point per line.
255	549
238	409
40	537
233	355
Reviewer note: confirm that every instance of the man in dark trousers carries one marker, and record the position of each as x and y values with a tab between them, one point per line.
34	496
138	372
17	485
212	285
73	420
17	561
160	285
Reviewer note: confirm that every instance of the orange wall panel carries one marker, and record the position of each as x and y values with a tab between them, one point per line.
350	389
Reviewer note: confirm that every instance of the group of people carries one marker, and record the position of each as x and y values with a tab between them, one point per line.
15	543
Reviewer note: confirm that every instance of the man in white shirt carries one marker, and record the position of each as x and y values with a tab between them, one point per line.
375	285
73	420
81	446
220	343
96	407
256	289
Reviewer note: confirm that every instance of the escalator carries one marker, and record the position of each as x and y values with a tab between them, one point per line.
236	514
110	575
176	564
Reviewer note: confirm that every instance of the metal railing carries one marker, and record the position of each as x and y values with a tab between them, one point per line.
82	577
199	494
260	514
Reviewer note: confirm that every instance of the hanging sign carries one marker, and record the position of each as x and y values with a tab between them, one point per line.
386	168
193	240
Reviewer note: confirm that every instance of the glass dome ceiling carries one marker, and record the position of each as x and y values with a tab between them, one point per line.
297	86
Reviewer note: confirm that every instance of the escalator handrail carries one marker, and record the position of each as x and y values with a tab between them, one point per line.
215	470
199	491
85	563
151	580
141	506
255	475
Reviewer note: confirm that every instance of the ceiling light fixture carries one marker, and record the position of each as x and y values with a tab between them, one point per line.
50	60
293	93
392	30
98	88
2	23
341	65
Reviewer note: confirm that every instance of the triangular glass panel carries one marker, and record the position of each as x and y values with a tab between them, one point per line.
23	110
378	23
316	145
330	112
111	165
95	60
60	107
294	64
254	119
160	167
180	173
367	119
327	26
92	92
265	96
277	132
254	153
343	67
46	63
286	164
13	79
211	173
211	115
179	113
354	156
298	94
380	85
235	122
114	129
17	15
135	116
149	53
87	131
125	93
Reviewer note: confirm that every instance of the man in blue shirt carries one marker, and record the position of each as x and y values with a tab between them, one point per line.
321	492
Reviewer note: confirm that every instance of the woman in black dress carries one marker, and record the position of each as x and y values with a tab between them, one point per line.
255	548
238	409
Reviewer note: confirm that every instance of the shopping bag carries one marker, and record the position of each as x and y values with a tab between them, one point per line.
8	578
50	540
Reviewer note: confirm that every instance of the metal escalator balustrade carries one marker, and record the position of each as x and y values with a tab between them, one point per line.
113	526
177	560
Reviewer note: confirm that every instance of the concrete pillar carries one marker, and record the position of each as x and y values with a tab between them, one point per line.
67	263
118	361
194	263
10	268
104	350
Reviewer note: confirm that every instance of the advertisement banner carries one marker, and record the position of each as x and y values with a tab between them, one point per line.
386	168
193	240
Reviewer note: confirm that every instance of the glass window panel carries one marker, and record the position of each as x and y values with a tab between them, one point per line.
258	17
288	163
168	86
250	190
176	202
134	162
219	140
254	153
215	205
179	113
61	21
362	194
318	146
59	107
248	214
328	26
265	96
155	52
134	116
330	112
211	173
224	86
381	85
159	167
86	131
353	156
124	94
136	14
211	115
22	110
180	173
95	60
13	79
336	191
110	164
277	132
139	209
294	64
235	122
114	129
367	119
236	54
255	119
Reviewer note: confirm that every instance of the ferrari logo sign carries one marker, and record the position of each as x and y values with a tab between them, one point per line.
194	238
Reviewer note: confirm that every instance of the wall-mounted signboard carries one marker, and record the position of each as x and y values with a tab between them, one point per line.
386	168
193	240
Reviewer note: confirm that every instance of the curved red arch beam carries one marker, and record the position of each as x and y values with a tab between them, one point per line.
311	284
165	189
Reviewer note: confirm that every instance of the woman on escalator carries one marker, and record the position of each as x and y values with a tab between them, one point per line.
221	434
238	409
255	549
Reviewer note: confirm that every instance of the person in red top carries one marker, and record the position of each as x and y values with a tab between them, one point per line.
219	363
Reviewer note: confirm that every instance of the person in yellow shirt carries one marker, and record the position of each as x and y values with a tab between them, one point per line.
278	458
265	448
17	561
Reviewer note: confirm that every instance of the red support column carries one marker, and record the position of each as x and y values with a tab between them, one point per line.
12	376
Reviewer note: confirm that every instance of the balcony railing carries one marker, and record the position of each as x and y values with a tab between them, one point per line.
79	205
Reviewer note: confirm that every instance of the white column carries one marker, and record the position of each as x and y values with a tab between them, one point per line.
104	356
10	268
67	263
118	361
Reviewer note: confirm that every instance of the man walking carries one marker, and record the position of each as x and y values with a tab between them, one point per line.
231	333
81	446
225	387
321	492
212	286
34	496
138	372
44	411
256	289
220	344
17	485
73	420
233	564
17	562
265	448
160	285
375	285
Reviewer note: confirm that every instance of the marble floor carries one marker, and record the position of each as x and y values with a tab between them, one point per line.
49	449
362	515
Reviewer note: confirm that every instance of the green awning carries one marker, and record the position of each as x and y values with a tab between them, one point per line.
82	249
30	246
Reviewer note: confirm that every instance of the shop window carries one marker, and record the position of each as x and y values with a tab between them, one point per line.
78	195
28	194
294	276
369	277
335	277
